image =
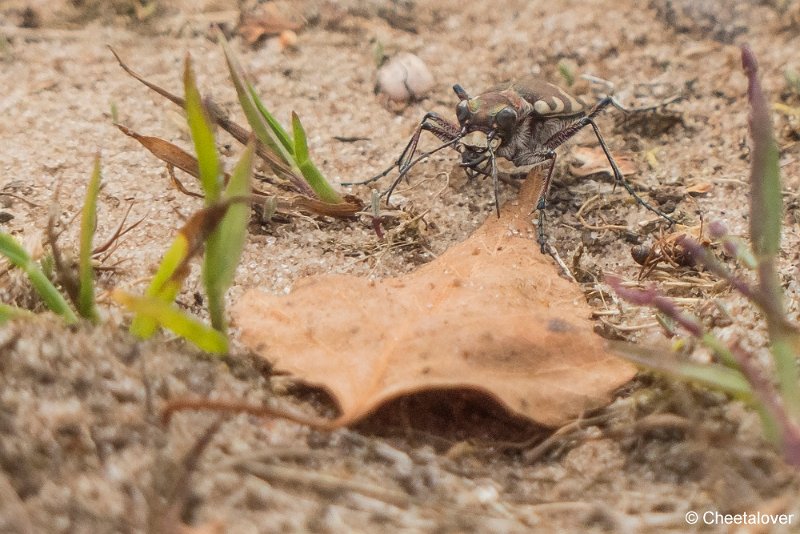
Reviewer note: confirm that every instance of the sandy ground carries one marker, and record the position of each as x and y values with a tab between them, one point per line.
81	447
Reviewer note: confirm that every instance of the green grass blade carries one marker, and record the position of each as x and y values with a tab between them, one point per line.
743	253
277	129
318	183
174	265
47	265
13	251
173	319
786	370
566	72
263	131
163	286
321	187
224	246
203	137
300	140
8	312
714	376
86	303
721	350
766	213
46	290
293	152
765	223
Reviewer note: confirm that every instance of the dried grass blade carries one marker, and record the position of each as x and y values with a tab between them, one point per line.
166	151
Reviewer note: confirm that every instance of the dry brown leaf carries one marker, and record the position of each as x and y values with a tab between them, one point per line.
343	210
165	151
591	161
700	188
491	314
210	527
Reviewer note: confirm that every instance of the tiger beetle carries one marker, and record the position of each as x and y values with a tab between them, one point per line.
523	122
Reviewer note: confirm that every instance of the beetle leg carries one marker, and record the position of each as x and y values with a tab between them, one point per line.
386	171
441	127
493	163
562	136
620	179
478	165
542	204
438	126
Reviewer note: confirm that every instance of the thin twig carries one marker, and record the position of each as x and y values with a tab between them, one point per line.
585	206
25	200
551	250
170	520
323	483
570	430
178	405
179	185
119	232
629	328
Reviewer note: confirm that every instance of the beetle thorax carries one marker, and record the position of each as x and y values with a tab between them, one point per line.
527	144
511	147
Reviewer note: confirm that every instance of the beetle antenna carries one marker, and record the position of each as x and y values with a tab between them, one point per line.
410	148
408	152
495	181
460	92
407	167
431	122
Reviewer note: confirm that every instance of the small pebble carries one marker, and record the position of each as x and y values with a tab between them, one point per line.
287	39
404	77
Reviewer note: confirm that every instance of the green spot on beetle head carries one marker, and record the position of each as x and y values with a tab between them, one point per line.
494	110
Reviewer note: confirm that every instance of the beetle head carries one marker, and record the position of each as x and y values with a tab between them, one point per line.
496	111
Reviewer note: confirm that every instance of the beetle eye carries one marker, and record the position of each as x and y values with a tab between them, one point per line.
462	112
506	119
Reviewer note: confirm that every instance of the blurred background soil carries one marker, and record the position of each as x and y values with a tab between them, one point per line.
81	445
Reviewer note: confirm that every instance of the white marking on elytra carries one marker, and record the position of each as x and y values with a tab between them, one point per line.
571	102
557	105
541	107
560	104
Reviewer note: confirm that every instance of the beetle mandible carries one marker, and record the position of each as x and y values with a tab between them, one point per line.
524	122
